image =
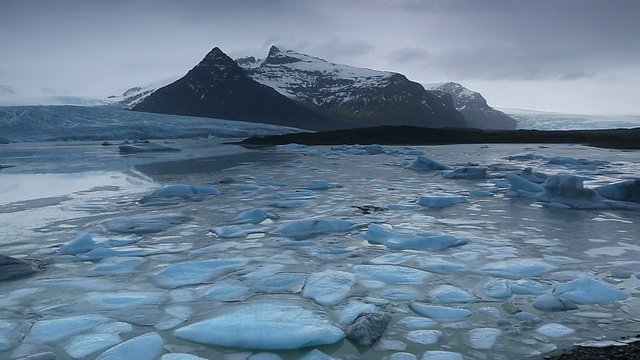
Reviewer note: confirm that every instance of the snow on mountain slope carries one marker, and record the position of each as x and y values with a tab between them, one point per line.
133	96
368	97
47	123
530	119
474	107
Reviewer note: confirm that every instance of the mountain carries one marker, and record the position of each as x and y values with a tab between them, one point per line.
218	88
474	107
366	97
133	96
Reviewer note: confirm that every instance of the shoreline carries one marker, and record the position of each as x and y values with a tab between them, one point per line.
410	135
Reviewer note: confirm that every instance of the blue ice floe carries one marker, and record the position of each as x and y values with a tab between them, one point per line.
588	291
185	191
348	313
554	330
528	287
440	199
439	312
143	347
440	266
441	355
227	290
569	190
533	176
236	231
47	331
576	163
145	224
10	335
81	346
497	288
395	274
265	326
517	268
424	337
116	265
521	186
195	272
83	242
329	287
124	299
302	229
623	191
422	163
378	234
551	303
414	322
281	283
467	173
483	338
253	216
449	294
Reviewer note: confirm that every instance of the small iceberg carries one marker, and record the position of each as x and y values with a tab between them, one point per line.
440	199
422	163
378	234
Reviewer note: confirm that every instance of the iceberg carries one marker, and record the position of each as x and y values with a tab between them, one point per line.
552	303
424	337
329	287
117	265
588	291
397	240
521	186
498	289
422	163
143	347
439	312
554	330
264	326
227	290
348	313
535	177
517	268
302	229
395	274
623	191
84	345
236	231
449	294
124	299
145	224
12	268
253	216
483	338
281	283
195	272
440	199
415	322
47	331
569	190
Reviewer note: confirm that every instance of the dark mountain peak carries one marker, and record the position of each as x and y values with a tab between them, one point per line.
277	57
216	57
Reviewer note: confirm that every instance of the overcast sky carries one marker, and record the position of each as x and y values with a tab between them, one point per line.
577	56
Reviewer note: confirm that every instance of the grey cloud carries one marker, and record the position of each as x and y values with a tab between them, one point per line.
410	55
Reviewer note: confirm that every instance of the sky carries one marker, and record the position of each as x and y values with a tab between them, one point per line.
571	56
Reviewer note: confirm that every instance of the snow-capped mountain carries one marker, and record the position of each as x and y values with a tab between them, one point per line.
474	107
217	87
133	96
364	96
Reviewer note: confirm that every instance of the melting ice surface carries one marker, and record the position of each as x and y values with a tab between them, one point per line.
275	254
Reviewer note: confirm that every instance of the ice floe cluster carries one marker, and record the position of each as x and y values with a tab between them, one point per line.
331	257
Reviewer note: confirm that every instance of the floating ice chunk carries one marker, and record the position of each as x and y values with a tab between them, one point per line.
441	355
440	266
378	234
264	356
9	335
253	216
281	283
236	231
391	259
145	147
292	147
521	186
414	322
467	173
554	330
266	326
528	287
449	294
395	274
117	265
563	160
399	293
425	337
329	287
368	328
81	346
306	228
316	354
80	243
45	331
517	268
498	289
422	163
490	312
534	177
116	327
181	356
145	224
623	191
288	204
11	268
588	291
439	312
552	303
196	272
569	190
319	185
143	347
402	356
228	290
525	157
185	191
87	284
483	338
481	193
528	318
124	299
440	199
348	313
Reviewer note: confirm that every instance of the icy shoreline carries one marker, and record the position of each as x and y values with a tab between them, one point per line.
341	232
